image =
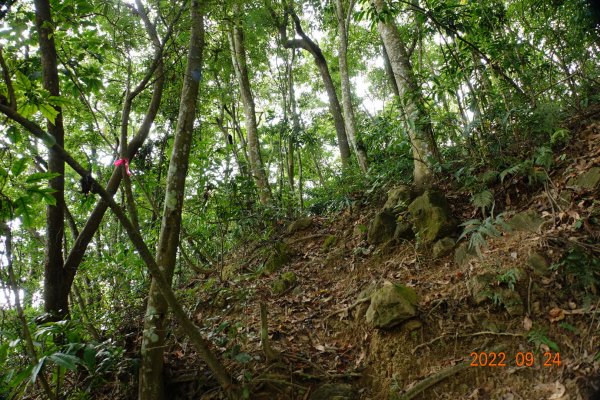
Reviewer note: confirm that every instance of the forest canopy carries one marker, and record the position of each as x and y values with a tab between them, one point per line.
144	141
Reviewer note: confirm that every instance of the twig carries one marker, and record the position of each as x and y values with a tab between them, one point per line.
435	378
317	235
350	307
270	354
482	333
430	381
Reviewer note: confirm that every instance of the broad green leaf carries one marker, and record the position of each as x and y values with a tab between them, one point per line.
23	209
18	166
44	193
3	352
89	357
67	361
243	358
49	112
41	176
13	134
36	369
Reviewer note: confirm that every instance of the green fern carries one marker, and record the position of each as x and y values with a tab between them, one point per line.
480	231
483	200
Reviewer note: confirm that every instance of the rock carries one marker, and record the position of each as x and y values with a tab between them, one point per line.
360	232
412	325
391	305
443	247
463	254
329	241
538	264
335	257
229	271
528	221
512	302
300	224
382	228
480	288
588	180
431	217
403	231
284	282
279	255
366	293
399	198
334	391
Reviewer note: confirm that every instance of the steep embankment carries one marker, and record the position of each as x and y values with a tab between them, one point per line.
529	295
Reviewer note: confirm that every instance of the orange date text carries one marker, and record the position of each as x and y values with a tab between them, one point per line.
521	359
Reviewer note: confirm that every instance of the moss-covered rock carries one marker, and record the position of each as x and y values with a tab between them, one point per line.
364	295
300	224
443	247
382	228
334	391
403	231
329	242
463	254
399	198
538	264
589	180
335	257
360	232
512	302
431	217
279	255
391	305
528	221
480	287
284	282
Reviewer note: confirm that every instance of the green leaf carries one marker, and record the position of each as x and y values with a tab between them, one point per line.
40	176
44	193
36	369
49	112
89	357
13	134
3	353
65	360
243	358
23	209
483	199
18	166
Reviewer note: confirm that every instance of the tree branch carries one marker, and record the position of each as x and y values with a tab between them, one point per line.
12	101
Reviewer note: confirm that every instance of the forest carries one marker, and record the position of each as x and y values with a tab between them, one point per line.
299	199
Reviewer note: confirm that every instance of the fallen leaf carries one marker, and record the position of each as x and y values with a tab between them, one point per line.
556	314
527	323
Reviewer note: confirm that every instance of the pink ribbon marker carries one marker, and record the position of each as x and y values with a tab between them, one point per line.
123	161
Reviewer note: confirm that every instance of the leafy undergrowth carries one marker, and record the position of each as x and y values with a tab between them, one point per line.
318	330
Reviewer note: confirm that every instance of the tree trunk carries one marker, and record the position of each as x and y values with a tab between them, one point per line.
93	222
151	385
238	57
419	130
334	105
56	290
389	72
343	18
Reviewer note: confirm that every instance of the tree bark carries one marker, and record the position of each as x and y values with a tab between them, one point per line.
420	131
56	291
151	385
238	57
307	44
389	72
343	19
